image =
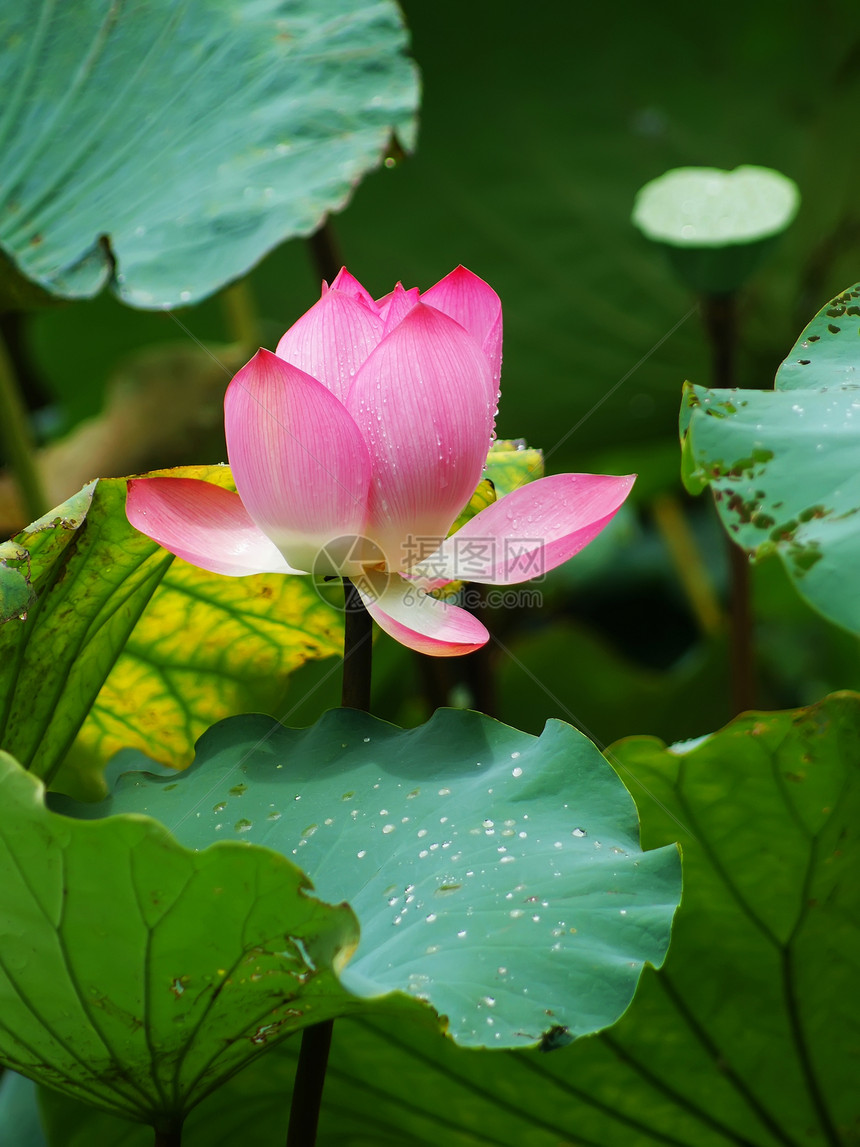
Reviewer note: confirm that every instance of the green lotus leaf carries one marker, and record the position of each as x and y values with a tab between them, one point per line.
495	875
138	975
783	463
16	594
166	148
826	355
511	464
746	1035
110	654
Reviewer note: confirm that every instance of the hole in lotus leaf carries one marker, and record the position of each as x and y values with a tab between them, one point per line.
556	1037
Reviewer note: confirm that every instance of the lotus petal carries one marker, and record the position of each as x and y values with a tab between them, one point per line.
418	621
300	464
424	401
528	532
204	525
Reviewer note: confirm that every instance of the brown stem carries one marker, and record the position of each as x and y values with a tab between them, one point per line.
357	650
168	1136
719	314
325	251
740	630
690	565
316	1040
240	312
308	1085
17	441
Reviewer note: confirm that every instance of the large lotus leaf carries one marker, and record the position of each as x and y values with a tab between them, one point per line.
138	975
826	354
16	593
169	146
783	463
747	1037
111	604
496	875
89	590
205	647
511	464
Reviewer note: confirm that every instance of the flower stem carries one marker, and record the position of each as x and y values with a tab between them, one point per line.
325	251
720	316
316	1040
743	683
308	1085
357	650
168	1136
719	313
689	564
240	312
17	441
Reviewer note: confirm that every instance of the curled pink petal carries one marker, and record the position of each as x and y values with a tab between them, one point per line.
417	621
528	532
475	306
299	462
202	524
424	401
347	283
331	340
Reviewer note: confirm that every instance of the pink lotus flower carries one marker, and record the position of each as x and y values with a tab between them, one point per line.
353	449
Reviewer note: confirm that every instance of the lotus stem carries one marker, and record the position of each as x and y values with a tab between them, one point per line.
720	316
240	311
719	313
325	251
308	1085
169	1136
689	563
18	445
742	653
316	1040
357	650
